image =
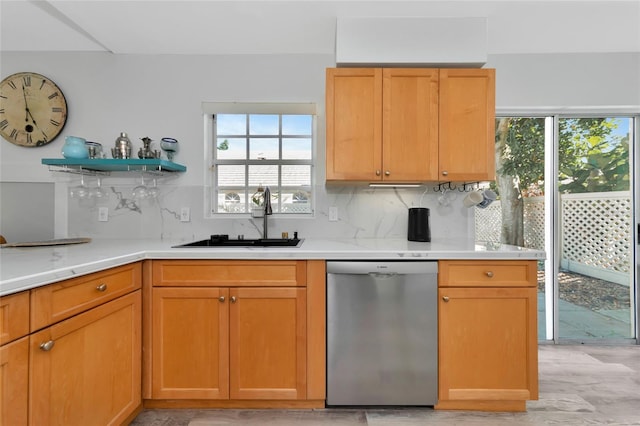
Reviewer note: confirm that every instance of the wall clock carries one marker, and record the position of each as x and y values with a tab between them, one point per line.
33	109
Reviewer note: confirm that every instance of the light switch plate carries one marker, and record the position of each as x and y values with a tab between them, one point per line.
103	214
185	214
333	214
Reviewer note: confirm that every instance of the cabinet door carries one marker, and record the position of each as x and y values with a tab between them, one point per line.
86	370
488	346
354	124
467	124
267	343
14	382
190	343
410	124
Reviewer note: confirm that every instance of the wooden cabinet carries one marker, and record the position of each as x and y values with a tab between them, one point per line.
86	370
467	125
410	125
487	335
14	381
258	338
14	358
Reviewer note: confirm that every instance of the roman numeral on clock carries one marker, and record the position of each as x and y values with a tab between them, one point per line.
53	95
54	122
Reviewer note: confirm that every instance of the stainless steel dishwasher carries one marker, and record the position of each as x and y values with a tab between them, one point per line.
382	333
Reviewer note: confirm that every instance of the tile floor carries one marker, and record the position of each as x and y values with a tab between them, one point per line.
579	385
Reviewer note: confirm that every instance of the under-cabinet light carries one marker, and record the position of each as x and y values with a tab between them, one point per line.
394	185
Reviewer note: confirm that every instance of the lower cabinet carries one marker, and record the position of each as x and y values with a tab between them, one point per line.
235	333
86	370
14	380
487	335
222	343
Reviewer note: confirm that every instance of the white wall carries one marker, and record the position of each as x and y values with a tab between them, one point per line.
158	96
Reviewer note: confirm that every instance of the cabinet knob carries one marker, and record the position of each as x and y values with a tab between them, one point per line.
445	173
387	173
490	274
221	299
377	172
47	346
233	299
102	287
445	298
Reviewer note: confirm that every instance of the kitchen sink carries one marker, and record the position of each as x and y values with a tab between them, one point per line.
225	241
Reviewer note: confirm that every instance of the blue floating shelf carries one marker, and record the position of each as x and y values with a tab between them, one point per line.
116	165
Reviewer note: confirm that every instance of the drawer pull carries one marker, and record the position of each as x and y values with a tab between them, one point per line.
233	299
102	287
490	274
377	172
445	173
47	346
387	173
221	299
445	298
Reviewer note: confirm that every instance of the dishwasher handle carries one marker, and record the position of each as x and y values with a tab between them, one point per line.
382	267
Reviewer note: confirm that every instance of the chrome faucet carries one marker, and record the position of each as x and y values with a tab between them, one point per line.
267	211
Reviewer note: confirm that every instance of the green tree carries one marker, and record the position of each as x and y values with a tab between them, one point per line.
591	157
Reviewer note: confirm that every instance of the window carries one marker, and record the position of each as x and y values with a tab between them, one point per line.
253	150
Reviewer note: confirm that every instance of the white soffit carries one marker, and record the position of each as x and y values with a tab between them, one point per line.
406	41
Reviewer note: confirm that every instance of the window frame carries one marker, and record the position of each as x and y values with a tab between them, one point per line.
210	111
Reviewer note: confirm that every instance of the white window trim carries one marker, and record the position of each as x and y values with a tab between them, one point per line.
212	108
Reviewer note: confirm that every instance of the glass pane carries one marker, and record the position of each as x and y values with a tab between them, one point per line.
296	201
266	175
296	149
231	201
231	149
298	175
595	278
231	175
262	124
518	216
296	125
263	149
231	124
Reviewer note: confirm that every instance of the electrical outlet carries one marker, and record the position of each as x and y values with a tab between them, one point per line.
103	214
185	214
333	214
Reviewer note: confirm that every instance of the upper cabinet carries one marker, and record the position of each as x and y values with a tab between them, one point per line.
410	125
467	124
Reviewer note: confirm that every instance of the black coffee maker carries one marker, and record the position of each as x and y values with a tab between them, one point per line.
419	225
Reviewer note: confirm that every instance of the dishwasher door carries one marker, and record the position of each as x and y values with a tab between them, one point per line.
382	333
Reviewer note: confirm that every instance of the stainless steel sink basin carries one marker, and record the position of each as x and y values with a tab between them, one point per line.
224	241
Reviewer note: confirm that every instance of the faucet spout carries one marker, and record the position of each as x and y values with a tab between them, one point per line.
268	211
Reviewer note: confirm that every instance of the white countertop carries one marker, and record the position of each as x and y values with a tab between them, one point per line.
30	267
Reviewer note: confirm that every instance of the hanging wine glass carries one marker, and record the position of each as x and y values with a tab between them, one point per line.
169	146
98	192
154	190
81	191
140	192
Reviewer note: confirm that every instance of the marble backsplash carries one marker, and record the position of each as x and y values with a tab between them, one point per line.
363	212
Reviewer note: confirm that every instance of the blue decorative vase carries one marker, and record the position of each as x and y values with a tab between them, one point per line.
74	147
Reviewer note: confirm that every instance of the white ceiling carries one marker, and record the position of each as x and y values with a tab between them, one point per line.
302	26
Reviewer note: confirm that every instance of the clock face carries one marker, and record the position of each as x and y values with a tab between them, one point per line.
33	109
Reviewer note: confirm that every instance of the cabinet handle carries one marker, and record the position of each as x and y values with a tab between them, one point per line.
387	173
221	299
377	172
233	299
102	287
490	274
445	173
445	298
47	346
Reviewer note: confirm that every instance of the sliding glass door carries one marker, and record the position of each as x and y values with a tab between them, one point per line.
565	186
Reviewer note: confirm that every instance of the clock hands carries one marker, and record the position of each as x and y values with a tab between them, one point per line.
28	127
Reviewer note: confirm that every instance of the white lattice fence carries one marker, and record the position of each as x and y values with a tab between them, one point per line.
489	222
595	232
